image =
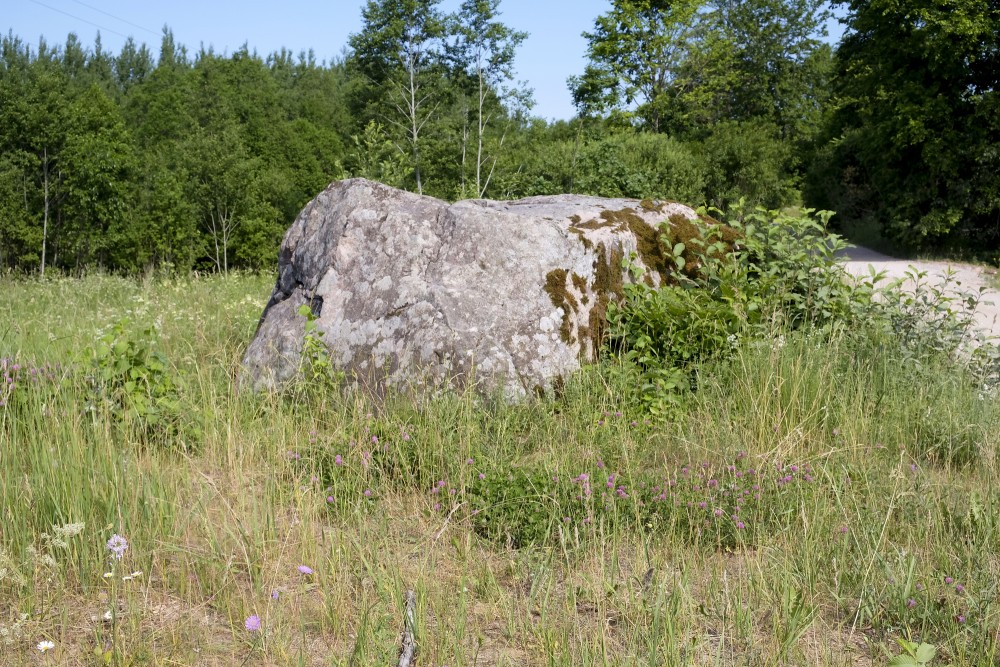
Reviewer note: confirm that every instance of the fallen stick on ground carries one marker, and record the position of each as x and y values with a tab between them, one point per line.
446	522
409	641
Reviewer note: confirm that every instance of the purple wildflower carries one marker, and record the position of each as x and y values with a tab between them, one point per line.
305	569
117	546
253	623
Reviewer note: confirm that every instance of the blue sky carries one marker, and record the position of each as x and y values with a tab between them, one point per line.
553	51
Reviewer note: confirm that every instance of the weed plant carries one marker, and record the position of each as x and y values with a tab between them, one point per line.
822	489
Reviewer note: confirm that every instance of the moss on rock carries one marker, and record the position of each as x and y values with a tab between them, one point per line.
689	232
562	298
649	241
594	224
607	287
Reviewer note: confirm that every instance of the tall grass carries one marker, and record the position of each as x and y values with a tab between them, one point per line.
874	515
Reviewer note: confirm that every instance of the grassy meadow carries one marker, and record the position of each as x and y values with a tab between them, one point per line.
820	497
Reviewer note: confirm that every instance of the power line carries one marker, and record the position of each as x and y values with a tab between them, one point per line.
96	25
117	18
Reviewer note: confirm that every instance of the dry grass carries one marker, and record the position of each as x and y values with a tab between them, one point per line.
219	528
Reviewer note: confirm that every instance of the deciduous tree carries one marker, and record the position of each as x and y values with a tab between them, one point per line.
399	52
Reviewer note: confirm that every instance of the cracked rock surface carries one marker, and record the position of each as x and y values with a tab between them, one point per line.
412	291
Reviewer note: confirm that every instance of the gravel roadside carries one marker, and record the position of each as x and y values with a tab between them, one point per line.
969	277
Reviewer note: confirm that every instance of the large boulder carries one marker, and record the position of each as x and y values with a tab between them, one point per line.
412	291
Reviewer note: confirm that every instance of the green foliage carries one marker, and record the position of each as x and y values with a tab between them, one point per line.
747	161
910	145
518	508
375	157
132	381
782	269
117	162
639	165
635	51
318	373
683	67
484	50
399	54
916	655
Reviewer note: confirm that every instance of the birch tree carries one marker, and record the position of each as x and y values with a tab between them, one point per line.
484	50
399	51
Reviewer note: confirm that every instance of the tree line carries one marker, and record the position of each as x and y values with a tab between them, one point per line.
182	160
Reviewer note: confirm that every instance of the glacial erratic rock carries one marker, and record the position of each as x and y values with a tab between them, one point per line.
411	291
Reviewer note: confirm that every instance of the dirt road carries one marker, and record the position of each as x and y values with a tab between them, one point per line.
969	277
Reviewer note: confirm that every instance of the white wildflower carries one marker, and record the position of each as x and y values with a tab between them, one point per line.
69	530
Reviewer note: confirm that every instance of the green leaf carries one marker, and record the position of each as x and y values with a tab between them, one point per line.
903	661
925	653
